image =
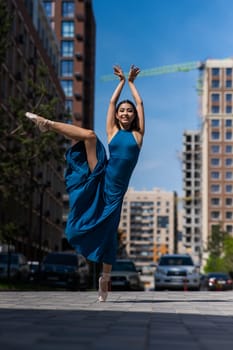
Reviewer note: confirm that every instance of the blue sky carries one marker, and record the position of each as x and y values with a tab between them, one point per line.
150	34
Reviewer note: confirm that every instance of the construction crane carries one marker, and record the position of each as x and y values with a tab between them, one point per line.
182	67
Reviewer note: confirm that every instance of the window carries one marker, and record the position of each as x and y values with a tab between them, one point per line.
67	86
228	97
69	106
228	83
215	84
66	68
228	161
229	215
228	109
215	135
215	122
215	109
228	135
215	175
228	149
215	215
48	8
229	201
228	175
229	72
68	9
229	228
228	122
215	188
215	72
67	48
215	149
67	29
215	161
215	201
229	188
215	97
162	221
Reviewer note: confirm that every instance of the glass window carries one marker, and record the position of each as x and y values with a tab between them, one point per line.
228	83
68	9
67	86
228	135
215	84
215	72
48	8
66	68
228	175
228	109
229	188
229	215
215	122
215	214
215	175
215	109
215	188
215	161
228	149
67	48
228	71
229	228
228	162
215	135
215	97
228	97
67	29
228	201
215	201
69	106
228	122
215	149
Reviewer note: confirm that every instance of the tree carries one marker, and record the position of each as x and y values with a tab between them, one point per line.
5	20
215	260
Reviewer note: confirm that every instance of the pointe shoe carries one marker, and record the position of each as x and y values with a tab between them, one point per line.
42	123
103	287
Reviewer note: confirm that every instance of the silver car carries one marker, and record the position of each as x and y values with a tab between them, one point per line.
176	271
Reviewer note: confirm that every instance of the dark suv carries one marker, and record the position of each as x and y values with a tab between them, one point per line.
14	266
65	269
177	271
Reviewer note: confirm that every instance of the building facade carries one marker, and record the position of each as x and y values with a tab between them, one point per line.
74	25
191	166
148	220
217	147
32	45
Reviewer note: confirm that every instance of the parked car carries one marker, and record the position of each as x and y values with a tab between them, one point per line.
215	281
14	266
177	271
65	269
124	276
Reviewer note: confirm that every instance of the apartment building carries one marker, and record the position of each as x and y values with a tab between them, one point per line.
217	147
32	44
191	166
148	219
74	25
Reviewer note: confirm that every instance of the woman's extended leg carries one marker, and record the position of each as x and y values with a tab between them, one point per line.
72	132
104	282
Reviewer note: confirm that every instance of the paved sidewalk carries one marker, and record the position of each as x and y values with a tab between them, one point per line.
128	320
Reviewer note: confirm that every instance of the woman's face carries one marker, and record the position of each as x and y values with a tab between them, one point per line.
125	115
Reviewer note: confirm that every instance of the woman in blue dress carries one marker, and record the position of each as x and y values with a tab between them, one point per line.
96	185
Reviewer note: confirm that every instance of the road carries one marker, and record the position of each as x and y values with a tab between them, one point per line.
128	320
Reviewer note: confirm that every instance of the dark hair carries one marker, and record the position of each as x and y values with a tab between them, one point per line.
135	123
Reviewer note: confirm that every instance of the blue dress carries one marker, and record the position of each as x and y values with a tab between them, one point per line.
95	198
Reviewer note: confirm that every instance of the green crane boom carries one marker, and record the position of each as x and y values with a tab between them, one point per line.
182	67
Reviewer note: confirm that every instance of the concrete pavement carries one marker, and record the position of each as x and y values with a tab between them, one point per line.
128	320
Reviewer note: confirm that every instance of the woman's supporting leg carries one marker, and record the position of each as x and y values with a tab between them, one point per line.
104	282
72	132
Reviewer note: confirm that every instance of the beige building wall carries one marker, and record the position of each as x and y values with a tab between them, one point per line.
148	219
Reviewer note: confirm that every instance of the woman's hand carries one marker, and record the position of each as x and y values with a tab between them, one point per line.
134	71
118	71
